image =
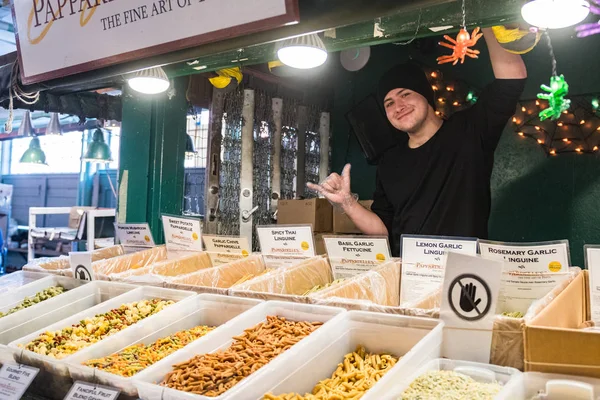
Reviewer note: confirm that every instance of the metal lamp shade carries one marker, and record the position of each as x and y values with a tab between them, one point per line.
302	52
26	128
34	154
150	81
189	145
97	150
53	127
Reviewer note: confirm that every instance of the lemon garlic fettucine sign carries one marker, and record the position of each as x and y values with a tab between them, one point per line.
539	257
286	240
182	233
424	263
350	256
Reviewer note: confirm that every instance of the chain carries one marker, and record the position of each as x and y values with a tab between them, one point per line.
312	150
464	15
554	73
416	32
289	149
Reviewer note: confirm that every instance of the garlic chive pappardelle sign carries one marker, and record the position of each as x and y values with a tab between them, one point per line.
182	233
351	256
55	37
424	261
225	249
530	271
285	245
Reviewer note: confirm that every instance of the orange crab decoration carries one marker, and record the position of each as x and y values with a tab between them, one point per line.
460	47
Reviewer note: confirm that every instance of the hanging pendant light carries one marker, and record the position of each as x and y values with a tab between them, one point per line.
34	154
189	145
555	14
150	81
303	52
26	127
54	127
97	150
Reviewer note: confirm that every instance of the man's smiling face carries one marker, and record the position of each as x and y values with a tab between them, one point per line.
406	110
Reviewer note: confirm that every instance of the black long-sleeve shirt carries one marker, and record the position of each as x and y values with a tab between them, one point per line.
443	186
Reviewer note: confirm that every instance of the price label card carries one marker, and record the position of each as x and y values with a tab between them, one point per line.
182	233
350	256
81	265
89	391
424	261
224	249
469	300
519	290
274	261
135	235
540	257
592	261
15	379
285	240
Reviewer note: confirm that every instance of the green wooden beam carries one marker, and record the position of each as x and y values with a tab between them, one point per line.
152	153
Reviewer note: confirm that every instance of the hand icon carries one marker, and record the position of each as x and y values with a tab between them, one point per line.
468	293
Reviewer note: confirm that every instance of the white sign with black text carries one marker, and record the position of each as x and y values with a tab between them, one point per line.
529	257
469	300
81	265
89	391
285	240
423	262
15	379
182	234
592	256
350	256
225	249
135	235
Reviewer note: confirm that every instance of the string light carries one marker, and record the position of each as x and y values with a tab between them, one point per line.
560	124
578	149
540	141
537	103
437	113
553	152
515	120
521	134
523	109
582	121
434	74
595	104
598	129
441	99
456	104
434	87
565	112
566	140
449	88
595	148
537	128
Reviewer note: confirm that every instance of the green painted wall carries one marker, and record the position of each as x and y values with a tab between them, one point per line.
534	197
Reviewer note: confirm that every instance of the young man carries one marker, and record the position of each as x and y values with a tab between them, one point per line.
438	183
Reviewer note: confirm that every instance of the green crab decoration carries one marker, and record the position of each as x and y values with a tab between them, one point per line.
557	91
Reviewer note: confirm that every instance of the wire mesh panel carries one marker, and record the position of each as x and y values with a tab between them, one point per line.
229	207
289	148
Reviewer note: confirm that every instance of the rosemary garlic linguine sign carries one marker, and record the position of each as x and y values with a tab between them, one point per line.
63	37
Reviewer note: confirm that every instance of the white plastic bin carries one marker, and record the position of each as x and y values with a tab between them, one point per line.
16	296
29	320
148	381
15	280
480	372
54	378
205	309
557	386
416	340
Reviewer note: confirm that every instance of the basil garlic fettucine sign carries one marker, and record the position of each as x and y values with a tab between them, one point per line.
351	256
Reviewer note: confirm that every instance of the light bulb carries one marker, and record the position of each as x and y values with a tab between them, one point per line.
553	152
303	52
456	103
521	134
560	124
441	99
540	141
449	88
537	103
433	75
523	109
150	81
598	128
595	148
515	120
578	149
537	128
582	121
555	14
566	140
434	87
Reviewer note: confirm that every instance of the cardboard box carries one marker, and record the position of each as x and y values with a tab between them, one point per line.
555	341
316	212
343	224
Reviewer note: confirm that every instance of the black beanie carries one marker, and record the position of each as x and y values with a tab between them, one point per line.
405	76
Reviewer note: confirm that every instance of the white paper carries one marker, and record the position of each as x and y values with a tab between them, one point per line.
520	290
528	257
224	258
593	265
135	235
182	233
274	261
286	240
226	244
469	301
89	391
350	256
423	263
15	379
81	265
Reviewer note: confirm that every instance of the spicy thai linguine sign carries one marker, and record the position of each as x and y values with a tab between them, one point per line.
63	37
